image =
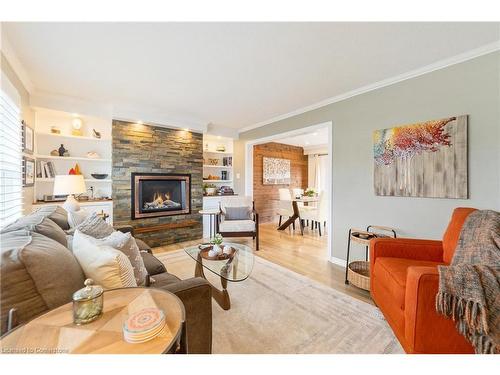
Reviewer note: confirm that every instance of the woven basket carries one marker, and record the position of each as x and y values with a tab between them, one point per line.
358	274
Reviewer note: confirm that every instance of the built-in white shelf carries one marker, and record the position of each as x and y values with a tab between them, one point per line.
218	166
71	158
209	181
86	180
70	136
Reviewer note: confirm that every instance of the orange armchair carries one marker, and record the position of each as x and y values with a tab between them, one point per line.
404	282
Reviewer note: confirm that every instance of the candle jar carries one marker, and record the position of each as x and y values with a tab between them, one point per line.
87	303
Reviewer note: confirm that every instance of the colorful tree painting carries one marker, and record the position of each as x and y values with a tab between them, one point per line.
396	149
407	141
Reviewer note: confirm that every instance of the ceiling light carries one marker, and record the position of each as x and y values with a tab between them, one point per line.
140	122
307	142
186	129
315	133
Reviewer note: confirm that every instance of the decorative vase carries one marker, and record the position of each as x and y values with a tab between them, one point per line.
62	150
227	249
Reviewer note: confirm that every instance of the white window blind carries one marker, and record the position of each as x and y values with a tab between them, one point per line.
11	189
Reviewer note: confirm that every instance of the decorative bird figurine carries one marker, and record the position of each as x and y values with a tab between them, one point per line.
96	133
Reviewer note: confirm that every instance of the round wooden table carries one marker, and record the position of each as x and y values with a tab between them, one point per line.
54	332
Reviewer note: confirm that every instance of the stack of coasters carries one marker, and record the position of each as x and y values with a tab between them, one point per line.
144	325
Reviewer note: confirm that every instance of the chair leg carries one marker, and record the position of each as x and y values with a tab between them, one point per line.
293	225
319	228
279	225
301	227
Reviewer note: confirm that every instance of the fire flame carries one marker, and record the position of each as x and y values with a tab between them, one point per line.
159	198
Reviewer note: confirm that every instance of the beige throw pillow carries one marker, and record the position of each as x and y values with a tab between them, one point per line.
127	245
93	226
75	218
107	266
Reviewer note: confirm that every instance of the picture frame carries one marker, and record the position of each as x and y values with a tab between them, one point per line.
425	160
28	171
28	138
275	171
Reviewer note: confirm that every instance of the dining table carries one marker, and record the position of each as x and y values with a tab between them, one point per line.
296	213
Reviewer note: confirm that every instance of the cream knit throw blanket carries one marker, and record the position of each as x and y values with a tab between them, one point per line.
469	288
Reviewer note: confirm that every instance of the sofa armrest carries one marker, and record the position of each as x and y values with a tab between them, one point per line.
408	248
426	331
196	295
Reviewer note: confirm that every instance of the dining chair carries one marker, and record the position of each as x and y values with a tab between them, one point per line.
285	205
297	192
318	215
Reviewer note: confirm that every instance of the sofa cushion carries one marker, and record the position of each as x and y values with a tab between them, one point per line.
37	274
93	226
107	266
391	274
237	226
38	222
57	214
75	218
450	237
152	264
238	213
127	245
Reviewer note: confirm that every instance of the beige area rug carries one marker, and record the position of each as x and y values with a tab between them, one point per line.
279	311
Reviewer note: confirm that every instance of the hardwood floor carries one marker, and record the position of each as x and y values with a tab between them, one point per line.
306	255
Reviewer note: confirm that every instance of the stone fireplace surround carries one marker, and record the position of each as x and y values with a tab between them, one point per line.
146	149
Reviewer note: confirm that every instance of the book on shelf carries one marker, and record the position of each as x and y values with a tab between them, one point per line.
45	169
227	161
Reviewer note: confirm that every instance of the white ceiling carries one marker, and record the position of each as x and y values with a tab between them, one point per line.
230	74
308	140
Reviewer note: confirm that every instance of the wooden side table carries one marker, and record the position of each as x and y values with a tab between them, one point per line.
356	235
54	332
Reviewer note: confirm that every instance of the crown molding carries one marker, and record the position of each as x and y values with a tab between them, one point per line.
457	59
16	64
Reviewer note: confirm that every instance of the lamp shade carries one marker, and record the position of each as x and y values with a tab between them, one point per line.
69	184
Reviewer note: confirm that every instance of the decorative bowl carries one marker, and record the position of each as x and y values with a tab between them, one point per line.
99	176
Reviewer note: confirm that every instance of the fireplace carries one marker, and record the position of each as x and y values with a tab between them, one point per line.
160	194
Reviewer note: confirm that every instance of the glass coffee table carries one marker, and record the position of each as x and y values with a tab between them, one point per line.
236	268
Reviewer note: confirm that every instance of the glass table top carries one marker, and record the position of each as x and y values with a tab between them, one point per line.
237	268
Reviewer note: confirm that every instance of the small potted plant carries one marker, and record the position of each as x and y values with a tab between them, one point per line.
216	243
310	192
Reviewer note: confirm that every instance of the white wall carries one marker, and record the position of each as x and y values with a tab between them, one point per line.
471	87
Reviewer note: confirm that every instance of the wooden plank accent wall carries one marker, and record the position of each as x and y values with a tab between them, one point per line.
265	196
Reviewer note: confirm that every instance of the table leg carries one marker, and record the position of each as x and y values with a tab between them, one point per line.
220	296
292	218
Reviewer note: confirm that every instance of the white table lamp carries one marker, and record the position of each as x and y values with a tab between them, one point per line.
70	184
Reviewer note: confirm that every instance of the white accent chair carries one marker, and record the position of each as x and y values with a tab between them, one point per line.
247	227
285	204
297	192
318	215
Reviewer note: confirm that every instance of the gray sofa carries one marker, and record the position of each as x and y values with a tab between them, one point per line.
40	273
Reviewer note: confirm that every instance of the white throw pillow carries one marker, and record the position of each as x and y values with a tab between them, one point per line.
107	266
127	245
75	218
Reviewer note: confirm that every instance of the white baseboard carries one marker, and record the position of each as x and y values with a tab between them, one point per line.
338	261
